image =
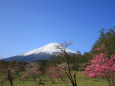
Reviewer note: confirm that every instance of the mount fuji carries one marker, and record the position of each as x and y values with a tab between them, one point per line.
42	53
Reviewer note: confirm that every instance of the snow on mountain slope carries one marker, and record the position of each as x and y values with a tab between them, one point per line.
48	49
43	53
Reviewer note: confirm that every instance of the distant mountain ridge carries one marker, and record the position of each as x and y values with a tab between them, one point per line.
42	53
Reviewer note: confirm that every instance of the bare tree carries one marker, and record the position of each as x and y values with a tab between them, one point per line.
71	77
9	70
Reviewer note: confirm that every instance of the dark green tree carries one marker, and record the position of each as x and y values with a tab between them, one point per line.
107	38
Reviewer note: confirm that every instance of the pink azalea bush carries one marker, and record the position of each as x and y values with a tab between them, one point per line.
101	66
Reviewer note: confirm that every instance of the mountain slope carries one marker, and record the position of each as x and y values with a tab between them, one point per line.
42	53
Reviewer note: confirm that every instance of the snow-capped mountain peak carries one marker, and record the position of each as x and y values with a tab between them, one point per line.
50	48
42	53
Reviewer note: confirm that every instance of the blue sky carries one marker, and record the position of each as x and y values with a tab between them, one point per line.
29	24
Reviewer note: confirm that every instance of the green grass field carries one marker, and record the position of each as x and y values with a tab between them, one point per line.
46	80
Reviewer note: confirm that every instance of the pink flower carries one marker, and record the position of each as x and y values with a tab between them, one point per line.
91	75
112	56
98	49
22	77
36	72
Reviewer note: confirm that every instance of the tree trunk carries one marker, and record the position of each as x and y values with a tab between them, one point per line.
109	82
113	82
11	82
34	77
10	78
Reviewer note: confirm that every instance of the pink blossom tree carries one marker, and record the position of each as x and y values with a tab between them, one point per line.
71	77
23	78
57	72
31	69
102	66
54	72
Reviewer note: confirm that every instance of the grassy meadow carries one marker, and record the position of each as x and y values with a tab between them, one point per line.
46	81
